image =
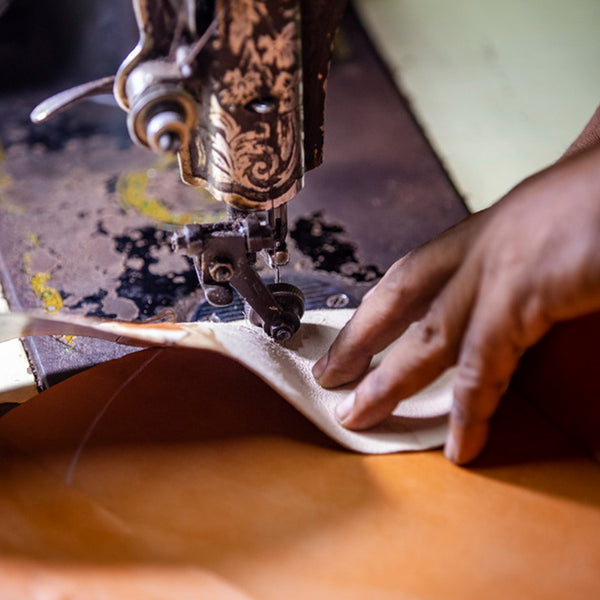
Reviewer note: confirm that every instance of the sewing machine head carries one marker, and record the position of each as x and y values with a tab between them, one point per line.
236	89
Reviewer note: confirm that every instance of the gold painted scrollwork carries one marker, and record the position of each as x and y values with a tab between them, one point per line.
240	152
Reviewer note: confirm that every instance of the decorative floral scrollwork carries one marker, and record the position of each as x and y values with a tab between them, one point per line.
244	15
280	50
239	88
255	155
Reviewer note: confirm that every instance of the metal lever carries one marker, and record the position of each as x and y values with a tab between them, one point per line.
66	98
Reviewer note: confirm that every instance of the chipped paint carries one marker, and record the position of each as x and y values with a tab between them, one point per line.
324	243
67	340
148	288
49	296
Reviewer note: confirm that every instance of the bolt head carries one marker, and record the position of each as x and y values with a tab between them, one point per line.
169	141
221	271
281	258
337	301
222	274
282	334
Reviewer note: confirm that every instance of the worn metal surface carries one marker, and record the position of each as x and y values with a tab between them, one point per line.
82	211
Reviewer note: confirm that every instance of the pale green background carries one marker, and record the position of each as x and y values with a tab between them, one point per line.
501	86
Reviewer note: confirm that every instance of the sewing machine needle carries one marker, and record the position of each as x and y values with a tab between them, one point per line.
276	274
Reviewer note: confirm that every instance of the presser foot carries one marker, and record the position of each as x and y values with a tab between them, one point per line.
291	299
224	255
318	291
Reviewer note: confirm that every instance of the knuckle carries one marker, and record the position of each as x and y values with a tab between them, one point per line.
505	258
475	393
377	390
534	319
464	411
399	276
349	339
373	389
355	340
347	371
394	275
433	337
397	284
468	382
401	265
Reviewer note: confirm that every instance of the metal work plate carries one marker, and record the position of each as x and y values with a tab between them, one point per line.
82	211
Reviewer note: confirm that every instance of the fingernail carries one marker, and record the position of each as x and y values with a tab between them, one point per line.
344	408
320	366
450	448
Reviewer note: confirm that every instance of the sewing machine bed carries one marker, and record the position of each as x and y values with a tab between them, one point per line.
83	211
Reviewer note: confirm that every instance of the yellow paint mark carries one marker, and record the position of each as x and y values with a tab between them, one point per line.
34	240
69	340
165	161
49	296
38	282
132	191
27	258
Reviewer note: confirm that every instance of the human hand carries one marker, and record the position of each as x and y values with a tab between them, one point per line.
479	294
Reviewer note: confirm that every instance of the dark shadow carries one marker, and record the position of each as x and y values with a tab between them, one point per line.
527	449
6	406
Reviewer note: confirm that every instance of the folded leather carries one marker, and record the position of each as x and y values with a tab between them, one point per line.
419	422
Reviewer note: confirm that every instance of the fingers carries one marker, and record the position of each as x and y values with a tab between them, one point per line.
427	349
531	262
379	320
400	298
505	321
484	322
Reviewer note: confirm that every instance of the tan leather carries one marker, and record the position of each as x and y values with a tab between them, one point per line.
200	482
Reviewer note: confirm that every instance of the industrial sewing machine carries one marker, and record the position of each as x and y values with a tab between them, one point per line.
86	215
235	88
